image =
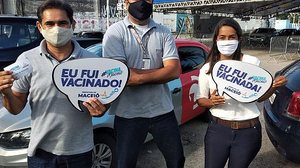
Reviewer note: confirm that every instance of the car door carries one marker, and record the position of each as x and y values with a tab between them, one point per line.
192	56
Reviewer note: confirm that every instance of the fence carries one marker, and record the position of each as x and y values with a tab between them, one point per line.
207	40
284	47
280	47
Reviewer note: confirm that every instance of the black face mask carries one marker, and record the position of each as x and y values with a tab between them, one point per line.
140	10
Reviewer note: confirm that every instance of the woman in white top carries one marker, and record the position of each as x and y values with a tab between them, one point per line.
234	132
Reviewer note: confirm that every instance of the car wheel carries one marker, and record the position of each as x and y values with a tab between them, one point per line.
104	151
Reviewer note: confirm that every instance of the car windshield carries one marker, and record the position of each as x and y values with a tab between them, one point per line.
17	34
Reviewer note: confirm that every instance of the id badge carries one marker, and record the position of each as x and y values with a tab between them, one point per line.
146	63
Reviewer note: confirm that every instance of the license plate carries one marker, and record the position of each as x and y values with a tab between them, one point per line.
272	98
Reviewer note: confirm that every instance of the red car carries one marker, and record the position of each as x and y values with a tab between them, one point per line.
192	55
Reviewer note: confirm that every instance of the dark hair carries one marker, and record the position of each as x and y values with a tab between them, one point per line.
55	4
214	54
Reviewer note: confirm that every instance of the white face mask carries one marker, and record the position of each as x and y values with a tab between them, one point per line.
57	36
227	47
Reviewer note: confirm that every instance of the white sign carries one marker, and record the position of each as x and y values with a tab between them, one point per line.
20	68
242	81
81	79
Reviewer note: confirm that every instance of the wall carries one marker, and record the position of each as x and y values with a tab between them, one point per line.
176	22
88	14
204	25
282	24
168	20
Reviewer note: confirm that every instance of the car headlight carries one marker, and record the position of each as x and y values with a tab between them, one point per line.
15	140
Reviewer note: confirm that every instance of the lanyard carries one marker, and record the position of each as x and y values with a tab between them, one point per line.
139	40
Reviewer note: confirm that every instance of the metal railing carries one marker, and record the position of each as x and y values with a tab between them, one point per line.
284	47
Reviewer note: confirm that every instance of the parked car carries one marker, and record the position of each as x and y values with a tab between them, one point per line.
15	130
286	32
90	34
261	36
17	34
295	40
282	114
88	38
85	42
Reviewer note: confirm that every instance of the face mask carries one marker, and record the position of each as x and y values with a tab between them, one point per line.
227	47
140	10
57	36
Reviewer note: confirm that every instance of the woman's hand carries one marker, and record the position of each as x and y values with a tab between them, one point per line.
279	81
216	99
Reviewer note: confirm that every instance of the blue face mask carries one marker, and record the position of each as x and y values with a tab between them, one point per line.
140	10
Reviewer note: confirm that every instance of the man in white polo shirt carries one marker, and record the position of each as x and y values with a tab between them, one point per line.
145	105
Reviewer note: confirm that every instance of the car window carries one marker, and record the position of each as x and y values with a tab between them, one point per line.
293	76
191	57
90	34
286	32
17	34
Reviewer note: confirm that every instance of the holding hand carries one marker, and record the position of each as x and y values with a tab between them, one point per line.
95	107
6	80
216	99
279	81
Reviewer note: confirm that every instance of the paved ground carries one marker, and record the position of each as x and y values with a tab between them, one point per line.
269	63
193	134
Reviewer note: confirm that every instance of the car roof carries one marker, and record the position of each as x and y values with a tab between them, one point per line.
266	28
22	19
90	31
187	41
16	17
182	42
288	29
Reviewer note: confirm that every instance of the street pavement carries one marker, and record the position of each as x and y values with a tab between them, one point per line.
193	134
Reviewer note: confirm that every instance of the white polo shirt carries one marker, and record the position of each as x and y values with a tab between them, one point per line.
119	43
